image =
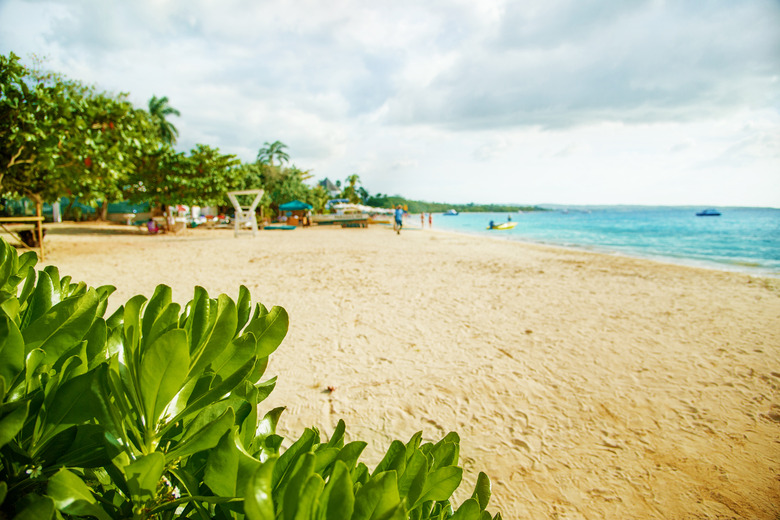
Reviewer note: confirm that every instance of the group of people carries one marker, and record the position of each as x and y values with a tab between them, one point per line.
399	219
422	220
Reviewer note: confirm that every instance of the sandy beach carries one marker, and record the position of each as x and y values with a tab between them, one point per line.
585	385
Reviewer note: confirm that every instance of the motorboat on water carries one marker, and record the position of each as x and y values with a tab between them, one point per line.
708	213
450	213
503	225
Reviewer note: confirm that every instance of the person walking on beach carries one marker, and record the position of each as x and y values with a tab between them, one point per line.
430	220
422	220
399	219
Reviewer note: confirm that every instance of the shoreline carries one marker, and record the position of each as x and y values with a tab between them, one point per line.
761	267
753	271
583	384
604	250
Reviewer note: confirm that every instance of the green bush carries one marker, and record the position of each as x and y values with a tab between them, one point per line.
153	413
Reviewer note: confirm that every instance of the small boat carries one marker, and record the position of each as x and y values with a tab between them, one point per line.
279	226
503	225
708	213
450	213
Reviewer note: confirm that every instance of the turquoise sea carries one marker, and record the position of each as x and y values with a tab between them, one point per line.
741	239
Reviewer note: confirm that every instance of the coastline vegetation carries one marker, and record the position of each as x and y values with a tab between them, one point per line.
419	206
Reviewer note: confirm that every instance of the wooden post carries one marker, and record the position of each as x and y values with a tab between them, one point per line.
39	214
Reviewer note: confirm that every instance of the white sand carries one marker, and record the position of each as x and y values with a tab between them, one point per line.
584	385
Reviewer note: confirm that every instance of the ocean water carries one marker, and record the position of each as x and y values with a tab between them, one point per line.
741	239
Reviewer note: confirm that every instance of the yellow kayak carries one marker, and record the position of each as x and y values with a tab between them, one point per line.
504	225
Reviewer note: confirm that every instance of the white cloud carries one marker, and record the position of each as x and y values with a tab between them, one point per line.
490	101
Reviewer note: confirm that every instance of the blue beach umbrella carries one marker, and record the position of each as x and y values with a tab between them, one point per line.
295	205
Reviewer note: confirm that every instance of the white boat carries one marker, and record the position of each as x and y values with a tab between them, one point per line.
450	213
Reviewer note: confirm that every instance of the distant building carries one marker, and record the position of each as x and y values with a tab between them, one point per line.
331	188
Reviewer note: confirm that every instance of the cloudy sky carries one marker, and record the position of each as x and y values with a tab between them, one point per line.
533	101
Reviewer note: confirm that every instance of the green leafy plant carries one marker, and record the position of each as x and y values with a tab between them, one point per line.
153	412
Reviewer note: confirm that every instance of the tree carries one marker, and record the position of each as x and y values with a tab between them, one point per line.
59	137
202	178
350	191
40	123
114	138
160	110
271	151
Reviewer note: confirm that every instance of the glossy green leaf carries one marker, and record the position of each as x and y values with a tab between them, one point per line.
33	366
446	455
10	306
54	275
258	504
203	438
41	299
441	483
164	367
131	323
468	510
338	499
337	439
269	330
143	475
395	458
482	490
268	423
220	335
413	444
350	453
62	326
308	499
12	422
37	508
72	496
167	320
229	468
289	458
377	498
290	491
159	301
104	291
96	351
86	450
8	263
446	451
237	352
11	349
200	320
73	403
29	285
243	309
412	481
219	390
325	457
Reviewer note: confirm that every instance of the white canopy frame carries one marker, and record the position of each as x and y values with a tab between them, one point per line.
245	214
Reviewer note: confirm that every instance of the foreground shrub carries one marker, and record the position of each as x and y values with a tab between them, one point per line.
153	413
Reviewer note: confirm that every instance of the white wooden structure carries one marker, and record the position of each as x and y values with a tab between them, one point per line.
245	214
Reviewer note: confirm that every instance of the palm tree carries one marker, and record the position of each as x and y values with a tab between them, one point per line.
350	192
159	110
271	151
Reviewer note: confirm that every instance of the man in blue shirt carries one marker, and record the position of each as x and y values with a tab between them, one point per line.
399	219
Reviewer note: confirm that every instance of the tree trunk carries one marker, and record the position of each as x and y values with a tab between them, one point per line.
103	213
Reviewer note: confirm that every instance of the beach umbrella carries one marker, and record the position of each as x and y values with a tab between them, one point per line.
295	205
